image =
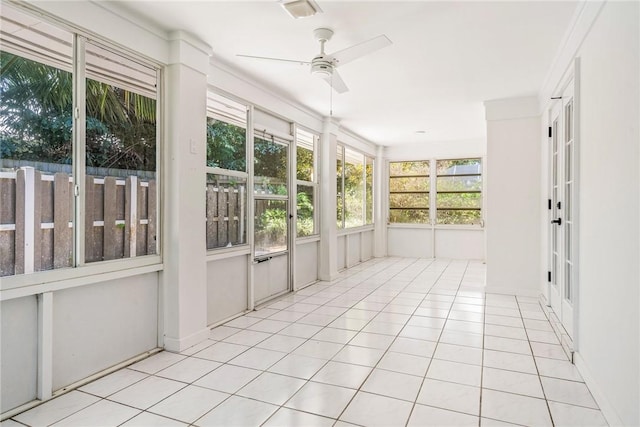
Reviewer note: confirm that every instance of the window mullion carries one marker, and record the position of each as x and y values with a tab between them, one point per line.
433	191
79	149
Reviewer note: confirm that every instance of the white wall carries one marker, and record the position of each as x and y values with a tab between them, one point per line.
608	335
19	351
227	288
513	196
306	262
100	325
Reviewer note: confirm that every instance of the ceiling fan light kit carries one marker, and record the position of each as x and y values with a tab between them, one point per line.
301	8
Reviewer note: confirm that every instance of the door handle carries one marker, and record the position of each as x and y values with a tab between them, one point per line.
557	221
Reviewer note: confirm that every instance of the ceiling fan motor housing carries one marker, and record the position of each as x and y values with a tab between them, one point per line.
322	66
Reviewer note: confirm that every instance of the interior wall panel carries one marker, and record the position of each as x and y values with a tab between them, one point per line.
100	325
226	288
306	263
460	244
353	256
409	242
341	264
19	351
367	245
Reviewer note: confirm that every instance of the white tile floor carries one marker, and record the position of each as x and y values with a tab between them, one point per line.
391	342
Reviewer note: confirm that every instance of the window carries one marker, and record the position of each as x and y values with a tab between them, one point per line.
355	188
306	181
459	191
409	186
226	199
43	225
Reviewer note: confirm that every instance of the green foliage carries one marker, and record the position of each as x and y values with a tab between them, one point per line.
305	211
36	118
304	164
226	145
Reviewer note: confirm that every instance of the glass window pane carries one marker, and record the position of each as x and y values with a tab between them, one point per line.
369	190
409	184
458	200
226	211
120	186
305	206
417	200
459	183
459	167
409	168
412	216
226	145
270	167
35	143
458	216
270	226
353	189
304	155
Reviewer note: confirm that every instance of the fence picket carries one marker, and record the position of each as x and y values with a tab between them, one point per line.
20	222
110	214
37	220
232	224
7	216
222	210
62	233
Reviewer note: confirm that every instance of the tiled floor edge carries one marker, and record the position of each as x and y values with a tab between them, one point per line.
609	413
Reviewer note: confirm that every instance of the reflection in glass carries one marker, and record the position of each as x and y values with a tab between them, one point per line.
270	226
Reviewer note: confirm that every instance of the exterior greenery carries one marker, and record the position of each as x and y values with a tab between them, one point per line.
458	192
354	200
36	118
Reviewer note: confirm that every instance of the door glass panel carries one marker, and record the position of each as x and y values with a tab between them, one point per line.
270	171
270	226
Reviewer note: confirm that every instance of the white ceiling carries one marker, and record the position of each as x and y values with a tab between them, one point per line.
446	58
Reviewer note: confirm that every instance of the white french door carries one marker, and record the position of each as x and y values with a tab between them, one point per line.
562	168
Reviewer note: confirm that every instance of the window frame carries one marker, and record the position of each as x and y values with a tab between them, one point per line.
81	273
211	170
433	194
480	192
340	191
313	183
428	208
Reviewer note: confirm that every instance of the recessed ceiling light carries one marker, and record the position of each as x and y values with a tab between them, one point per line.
301	8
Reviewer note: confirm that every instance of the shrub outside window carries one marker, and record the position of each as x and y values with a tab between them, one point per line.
355	188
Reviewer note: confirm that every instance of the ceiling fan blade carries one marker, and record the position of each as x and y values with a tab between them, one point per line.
265	58
336	82
354	52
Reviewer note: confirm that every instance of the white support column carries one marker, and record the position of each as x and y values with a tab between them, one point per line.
184	276
45	346
381	201
328	264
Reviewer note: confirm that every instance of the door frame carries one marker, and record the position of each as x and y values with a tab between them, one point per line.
569	89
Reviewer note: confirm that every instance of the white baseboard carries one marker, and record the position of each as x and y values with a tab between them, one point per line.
607	409
176	345
508	290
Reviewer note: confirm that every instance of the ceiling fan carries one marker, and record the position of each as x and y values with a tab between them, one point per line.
324	64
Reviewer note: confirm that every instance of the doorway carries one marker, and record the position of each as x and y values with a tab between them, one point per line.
272	217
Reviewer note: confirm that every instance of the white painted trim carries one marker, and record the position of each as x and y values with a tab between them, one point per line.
29	219
508	290
74	277
355	230
224	253
600	397
177	345
45	346
307	239
585	16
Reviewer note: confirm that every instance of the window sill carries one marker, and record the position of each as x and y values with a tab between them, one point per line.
55	280
355	230
223	253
